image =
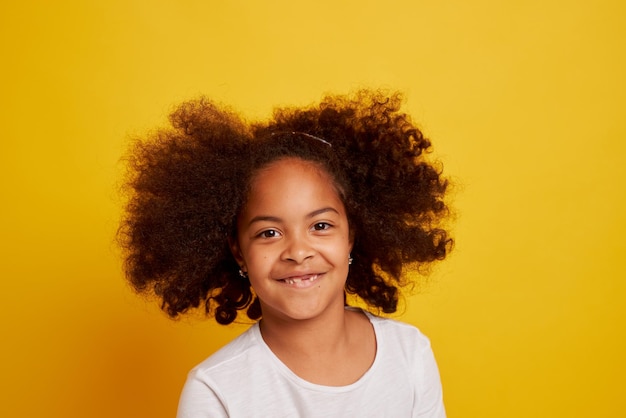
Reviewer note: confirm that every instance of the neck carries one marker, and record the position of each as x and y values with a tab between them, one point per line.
333	350
310	337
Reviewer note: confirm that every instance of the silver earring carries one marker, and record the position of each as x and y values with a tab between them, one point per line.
350	260
243	274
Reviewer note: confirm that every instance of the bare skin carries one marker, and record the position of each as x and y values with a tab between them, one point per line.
325	354
294	242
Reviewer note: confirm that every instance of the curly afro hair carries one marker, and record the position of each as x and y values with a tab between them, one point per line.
187	184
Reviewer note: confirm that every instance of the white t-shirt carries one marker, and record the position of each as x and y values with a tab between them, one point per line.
245	379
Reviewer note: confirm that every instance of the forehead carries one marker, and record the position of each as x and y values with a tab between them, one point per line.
292	178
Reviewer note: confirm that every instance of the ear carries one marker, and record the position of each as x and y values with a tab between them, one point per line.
236	251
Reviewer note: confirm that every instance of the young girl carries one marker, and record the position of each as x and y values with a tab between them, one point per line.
283	219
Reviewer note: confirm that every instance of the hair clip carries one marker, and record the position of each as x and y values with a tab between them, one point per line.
317	138
313	137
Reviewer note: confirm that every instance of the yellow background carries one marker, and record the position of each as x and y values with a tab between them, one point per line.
525	102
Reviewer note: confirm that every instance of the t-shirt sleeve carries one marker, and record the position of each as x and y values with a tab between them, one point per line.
199	400
430	394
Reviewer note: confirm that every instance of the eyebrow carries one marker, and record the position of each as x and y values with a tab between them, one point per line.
276	219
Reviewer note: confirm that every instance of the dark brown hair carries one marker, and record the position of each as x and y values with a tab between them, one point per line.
186	185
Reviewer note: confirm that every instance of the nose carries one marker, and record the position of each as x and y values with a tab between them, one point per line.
298	249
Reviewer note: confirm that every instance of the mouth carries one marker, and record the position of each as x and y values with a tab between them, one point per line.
301	281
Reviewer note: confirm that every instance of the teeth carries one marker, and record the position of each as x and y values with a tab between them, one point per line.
297	280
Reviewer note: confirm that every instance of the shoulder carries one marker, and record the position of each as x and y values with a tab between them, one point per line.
397	332
403	345
410	350
211	383
231	355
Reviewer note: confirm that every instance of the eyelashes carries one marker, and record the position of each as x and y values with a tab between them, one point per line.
268	233
274	233
322	226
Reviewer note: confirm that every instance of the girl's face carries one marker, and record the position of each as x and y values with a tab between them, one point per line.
294	241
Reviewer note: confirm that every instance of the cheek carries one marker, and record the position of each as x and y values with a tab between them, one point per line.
258	262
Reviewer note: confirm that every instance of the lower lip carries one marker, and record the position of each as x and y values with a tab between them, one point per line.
303	283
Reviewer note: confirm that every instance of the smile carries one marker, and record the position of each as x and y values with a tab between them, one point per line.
301	281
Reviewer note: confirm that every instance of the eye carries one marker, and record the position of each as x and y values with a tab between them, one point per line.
322	226
269	233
